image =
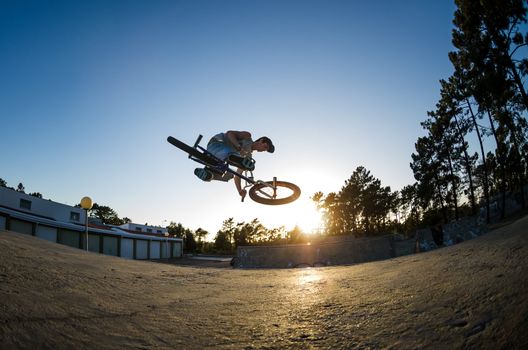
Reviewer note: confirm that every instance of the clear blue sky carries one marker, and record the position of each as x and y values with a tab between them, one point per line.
91	89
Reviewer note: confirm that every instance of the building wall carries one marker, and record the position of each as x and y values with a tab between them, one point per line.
176	249
110	245
142	248
47	233
94	243
154	250
127	248
69	237
43	207
54	222
164	250
21	226
99	241
144	228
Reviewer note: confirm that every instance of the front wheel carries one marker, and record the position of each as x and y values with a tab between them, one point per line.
274	192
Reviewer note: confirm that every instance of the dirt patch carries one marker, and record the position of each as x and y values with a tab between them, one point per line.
218	262
471	295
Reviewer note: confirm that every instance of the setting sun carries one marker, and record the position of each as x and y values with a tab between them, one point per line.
301	213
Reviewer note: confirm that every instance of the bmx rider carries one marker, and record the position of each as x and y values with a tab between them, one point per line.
236	148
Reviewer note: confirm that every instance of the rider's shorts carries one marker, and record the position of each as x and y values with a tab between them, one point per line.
219	148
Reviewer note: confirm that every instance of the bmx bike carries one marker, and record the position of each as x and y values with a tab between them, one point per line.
265	192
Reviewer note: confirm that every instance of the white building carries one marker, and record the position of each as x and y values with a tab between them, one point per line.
40	207
64	224
137	228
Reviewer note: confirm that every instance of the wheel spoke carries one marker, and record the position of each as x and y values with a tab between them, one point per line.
265	194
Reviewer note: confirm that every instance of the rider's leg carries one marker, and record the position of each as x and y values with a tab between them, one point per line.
208	174
246	163
219	150
223	151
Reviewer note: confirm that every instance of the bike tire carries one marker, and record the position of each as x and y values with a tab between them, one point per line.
295	193
192	151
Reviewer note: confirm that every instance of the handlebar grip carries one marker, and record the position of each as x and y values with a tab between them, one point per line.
198	141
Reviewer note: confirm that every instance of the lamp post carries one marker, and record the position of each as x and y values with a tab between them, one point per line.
86	204
167	244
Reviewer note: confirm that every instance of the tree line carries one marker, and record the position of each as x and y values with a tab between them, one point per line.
484	97
234	234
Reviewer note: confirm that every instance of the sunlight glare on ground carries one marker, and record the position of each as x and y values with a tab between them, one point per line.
309	284
308	276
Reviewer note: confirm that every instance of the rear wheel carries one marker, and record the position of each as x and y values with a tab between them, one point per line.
193	152
282	193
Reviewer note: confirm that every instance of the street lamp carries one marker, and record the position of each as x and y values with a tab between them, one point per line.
86	204
167	245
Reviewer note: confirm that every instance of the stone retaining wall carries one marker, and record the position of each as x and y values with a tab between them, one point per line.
453	232
338	252
341	250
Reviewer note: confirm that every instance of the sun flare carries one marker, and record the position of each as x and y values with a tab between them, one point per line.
301	213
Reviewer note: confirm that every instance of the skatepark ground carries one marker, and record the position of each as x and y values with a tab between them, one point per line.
473	295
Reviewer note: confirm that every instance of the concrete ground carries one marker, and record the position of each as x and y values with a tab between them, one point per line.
200	261
473	295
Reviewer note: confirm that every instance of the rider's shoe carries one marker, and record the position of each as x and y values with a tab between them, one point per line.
246	163
214	171
203	174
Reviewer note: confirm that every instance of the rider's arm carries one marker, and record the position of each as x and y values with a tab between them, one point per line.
236	136
238	184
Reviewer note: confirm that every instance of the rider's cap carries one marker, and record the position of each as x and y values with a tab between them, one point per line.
271	148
